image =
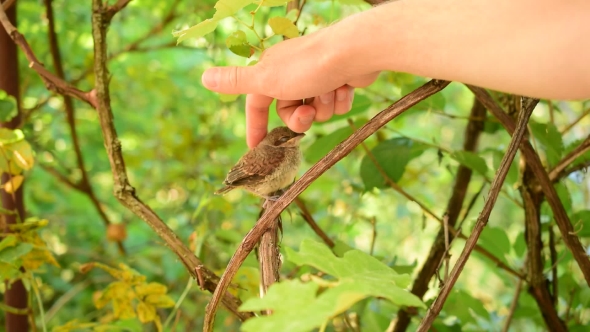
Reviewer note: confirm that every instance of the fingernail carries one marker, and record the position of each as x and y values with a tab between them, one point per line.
211	78
327	98
341	95
306	119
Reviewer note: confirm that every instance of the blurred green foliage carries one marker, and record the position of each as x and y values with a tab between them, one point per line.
179	139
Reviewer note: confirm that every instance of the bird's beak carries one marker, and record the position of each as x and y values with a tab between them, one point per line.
298	137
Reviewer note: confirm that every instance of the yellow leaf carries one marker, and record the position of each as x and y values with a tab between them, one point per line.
22	154
158	323
149	289
12	185
37	257
145	312
122	309
160	301
283	26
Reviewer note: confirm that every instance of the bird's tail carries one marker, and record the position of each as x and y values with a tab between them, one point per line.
223	190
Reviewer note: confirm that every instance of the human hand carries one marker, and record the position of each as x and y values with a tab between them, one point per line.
312	78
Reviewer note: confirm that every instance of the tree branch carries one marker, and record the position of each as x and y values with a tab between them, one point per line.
571	125
437	305
513	306
6	4
84	186
123	190
311	222
570	238
52	82
584	147
339	152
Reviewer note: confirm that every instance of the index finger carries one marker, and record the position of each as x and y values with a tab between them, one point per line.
256	118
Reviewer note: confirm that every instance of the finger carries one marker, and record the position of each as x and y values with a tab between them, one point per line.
256	118
295	115
230	80
344	97
324	106
364	81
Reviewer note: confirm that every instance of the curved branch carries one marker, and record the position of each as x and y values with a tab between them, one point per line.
339	152
567	160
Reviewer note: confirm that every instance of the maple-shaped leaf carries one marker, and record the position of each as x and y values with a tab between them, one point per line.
297	306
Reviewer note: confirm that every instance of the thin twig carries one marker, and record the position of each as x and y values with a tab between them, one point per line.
123	190
437	305
564	224
567	160
578	119
312	223
339	152
513	305
553	256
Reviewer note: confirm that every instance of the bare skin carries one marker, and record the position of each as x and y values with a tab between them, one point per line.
536	48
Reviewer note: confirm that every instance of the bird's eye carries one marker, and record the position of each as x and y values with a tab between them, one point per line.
282	140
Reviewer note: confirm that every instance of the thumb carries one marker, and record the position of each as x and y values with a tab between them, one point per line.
230	80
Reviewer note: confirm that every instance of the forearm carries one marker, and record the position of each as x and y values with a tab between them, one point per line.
535	48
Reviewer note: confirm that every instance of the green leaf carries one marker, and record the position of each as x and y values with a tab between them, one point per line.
471	160
9	241
196	31
8	109
550	138
495	240
22	154
465	307
273	3
392	156
8	136
324	144
519	245
360	104
238	44
365	272
11	254
283	26
581	223
298	307
227	8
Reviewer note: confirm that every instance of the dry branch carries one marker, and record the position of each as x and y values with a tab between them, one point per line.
339	152
123	190
437	305
564	224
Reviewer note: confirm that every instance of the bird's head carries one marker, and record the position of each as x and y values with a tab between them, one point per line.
283	137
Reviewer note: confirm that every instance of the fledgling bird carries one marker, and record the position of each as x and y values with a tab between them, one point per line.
271	166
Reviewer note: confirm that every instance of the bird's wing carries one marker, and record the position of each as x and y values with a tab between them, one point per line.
253	168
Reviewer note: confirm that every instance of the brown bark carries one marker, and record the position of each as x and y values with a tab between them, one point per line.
472	132
16	294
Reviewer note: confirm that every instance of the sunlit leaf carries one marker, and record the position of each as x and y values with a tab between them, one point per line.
145	312
238	44
22	154
12	185
196	31
8	241
392	156
283	26
152	288
160	300
272	3
226	8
